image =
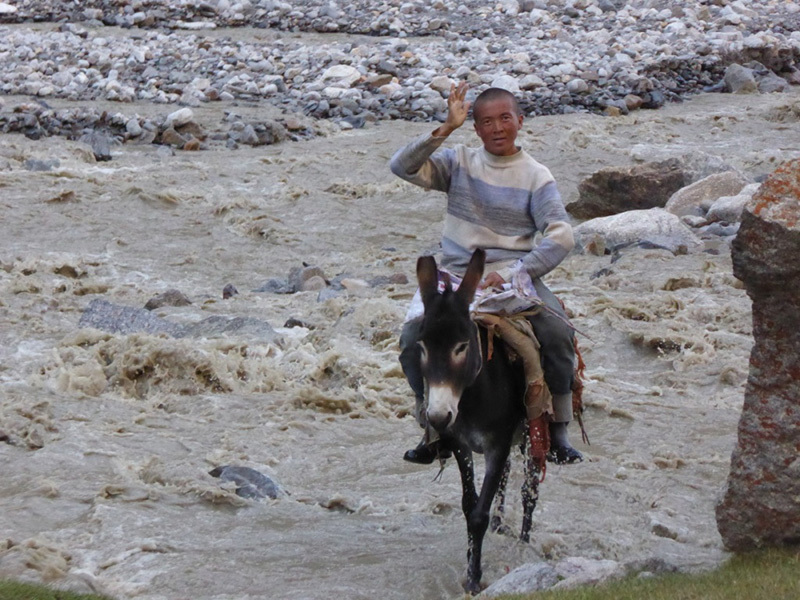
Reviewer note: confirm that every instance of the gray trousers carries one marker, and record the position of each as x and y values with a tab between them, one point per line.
558	355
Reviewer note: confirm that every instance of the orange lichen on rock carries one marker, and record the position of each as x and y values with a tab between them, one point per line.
778	199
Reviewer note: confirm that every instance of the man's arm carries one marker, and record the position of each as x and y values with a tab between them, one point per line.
551	219
417	163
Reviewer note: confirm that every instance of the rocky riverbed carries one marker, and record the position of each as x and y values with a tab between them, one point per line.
397	58
188	168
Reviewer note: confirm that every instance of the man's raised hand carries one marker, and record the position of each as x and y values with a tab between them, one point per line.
457	109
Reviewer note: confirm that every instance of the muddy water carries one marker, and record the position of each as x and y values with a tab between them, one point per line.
111	437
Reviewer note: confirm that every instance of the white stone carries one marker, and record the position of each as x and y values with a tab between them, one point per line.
133	128
201	83
7	9
697	197
334	92
530	82
179	117
506	82
476	45
344	75
390	89
510	7
539	16
441	83
754	41
729	208
195	25
577	86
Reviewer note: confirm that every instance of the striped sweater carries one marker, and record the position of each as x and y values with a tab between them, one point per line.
497	203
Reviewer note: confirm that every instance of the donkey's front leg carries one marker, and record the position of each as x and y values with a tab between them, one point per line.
496	522
469	497
478	517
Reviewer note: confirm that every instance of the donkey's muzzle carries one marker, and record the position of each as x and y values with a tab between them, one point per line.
442	406
440	422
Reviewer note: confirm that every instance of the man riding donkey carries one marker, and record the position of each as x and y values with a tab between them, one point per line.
498	198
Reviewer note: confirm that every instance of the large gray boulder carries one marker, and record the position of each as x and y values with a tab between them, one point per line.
525	579
567	573
618	189
695	164
761	504
656	227
117	318
696	198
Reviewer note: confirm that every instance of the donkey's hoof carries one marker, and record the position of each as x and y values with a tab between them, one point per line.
497	526
473	587
564	455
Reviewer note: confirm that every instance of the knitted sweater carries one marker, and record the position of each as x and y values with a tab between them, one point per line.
497	203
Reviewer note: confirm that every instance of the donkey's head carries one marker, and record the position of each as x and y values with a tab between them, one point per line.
451	354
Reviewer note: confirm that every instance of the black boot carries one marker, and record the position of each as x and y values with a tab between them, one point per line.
425	454
561	451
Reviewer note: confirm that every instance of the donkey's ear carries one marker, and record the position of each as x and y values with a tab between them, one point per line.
428	278
473	276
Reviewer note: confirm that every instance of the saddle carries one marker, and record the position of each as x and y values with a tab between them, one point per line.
520	339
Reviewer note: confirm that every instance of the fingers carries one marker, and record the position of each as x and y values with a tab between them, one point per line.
493	279
459	92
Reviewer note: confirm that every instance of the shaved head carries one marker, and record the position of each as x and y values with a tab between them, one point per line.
494	94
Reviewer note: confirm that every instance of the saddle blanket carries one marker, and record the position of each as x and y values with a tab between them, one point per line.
517	296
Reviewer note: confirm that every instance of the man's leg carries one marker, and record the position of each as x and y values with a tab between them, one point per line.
558	362
427	450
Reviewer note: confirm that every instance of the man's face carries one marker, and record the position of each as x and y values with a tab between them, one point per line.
497	124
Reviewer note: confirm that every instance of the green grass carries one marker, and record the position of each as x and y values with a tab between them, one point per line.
766	575
14	590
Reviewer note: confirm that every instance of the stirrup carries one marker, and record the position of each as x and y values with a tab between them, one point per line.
425	454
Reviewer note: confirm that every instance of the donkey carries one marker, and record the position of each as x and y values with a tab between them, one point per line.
474	405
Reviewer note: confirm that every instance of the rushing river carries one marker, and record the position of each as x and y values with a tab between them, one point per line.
109	438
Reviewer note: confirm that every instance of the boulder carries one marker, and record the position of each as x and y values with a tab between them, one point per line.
171	297
654	228
299	277
728	209
761	503
770	83
740	80
696	198
618	189
100	143
116	318
567	573
695	164
250	484
524	579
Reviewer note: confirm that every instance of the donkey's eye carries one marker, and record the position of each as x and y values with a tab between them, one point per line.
461	348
